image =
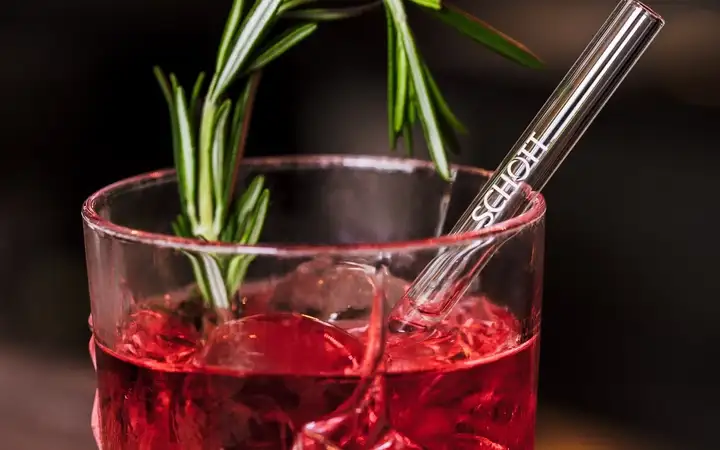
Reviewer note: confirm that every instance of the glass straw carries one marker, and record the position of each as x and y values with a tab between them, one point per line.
531	162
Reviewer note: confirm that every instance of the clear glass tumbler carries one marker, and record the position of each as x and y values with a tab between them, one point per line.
300	359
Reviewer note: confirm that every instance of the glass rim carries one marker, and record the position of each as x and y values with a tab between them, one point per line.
97	223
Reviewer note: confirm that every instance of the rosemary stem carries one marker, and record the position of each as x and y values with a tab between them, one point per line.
205	195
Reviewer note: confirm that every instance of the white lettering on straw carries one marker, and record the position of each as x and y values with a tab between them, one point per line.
516	171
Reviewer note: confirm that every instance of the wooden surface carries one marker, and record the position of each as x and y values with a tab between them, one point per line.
45	404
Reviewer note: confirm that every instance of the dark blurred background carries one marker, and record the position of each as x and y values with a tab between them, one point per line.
632	303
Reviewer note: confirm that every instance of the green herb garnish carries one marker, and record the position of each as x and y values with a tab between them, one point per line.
208	149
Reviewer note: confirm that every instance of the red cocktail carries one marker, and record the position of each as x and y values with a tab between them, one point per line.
163	388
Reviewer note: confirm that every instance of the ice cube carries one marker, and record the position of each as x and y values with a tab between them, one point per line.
366	428
157	334
282	343
465	442
476	329
311	439
340	293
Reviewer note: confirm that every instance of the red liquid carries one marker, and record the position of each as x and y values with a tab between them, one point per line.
469	390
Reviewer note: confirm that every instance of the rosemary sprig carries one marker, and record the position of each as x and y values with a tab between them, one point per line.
208	149
413	93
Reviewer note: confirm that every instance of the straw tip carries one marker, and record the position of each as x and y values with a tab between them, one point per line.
649	11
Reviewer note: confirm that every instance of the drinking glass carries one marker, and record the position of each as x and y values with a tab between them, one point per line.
299	357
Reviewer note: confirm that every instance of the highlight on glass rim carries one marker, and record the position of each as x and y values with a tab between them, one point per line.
279	303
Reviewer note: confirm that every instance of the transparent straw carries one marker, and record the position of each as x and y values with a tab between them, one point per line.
533	159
